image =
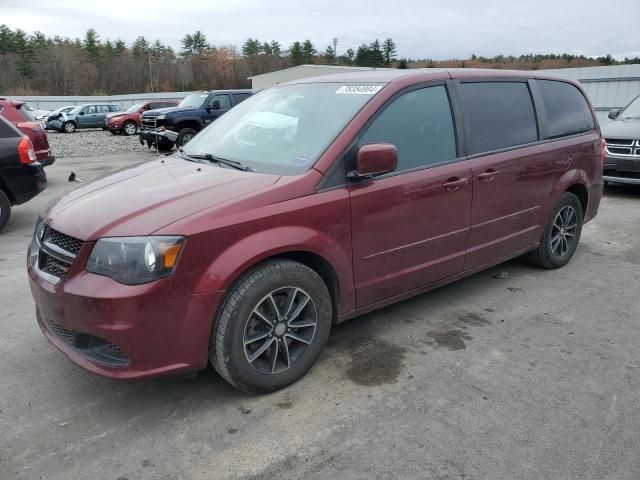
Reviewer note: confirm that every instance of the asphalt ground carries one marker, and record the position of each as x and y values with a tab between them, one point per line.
532	375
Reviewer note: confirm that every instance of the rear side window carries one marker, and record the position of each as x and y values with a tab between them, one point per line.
498	115
26	113
567	110
420	125
239	97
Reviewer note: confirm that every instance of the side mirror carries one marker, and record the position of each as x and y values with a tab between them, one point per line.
613	114
215	105
375	159
80	113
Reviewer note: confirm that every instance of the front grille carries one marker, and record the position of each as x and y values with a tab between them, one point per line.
65	242
95	348
54	266
622	147
57	253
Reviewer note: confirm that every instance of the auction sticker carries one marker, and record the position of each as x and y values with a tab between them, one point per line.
359	89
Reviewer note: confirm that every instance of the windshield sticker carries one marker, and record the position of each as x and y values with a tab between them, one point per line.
359	89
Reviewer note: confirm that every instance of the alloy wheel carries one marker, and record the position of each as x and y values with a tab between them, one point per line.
563	232
130	128
279	330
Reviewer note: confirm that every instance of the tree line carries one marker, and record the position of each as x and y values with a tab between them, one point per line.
36	64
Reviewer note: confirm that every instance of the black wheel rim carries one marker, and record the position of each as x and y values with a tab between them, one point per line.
564	230
279	330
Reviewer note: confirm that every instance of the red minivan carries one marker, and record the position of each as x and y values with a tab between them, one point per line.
308	204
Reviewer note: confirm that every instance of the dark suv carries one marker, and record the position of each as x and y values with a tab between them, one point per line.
167	127
622	137
308	204
21	175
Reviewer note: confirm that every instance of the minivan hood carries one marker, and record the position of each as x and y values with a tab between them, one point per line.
141	199
622	129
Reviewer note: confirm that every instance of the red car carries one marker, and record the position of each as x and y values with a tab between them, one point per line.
14	112
128	121
306	205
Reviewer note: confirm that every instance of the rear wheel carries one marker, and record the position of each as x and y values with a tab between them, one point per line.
561	234
129	128
69	127
272	327
5	209
185	136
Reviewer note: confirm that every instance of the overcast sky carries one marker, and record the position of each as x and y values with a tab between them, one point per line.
421	28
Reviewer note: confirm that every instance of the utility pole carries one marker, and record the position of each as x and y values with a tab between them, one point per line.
335	46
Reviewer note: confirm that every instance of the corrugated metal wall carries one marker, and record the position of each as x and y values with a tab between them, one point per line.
125	101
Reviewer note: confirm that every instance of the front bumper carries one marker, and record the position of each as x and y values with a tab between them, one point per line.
622	170
121	331
151	137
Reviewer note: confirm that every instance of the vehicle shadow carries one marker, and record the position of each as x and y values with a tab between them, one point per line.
621	190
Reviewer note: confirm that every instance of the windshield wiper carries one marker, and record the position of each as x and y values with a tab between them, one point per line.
223	161
185	156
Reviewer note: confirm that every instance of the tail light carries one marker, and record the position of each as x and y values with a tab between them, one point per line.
603	153
26	153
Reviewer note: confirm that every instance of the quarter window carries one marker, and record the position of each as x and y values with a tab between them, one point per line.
420	125
498	115
239	97
566	108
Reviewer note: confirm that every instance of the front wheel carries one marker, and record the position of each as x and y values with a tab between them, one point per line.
129	128
5	209
185	136
69	127
561	234
272	327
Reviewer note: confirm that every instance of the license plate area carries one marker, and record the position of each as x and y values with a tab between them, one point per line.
628	165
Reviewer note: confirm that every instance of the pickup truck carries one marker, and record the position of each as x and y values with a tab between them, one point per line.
166	127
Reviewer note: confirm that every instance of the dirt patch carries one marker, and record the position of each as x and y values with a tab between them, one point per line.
375	362
451	340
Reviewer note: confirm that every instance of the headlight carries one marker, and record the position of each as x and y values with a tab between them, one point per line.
135	260
161	117
36	241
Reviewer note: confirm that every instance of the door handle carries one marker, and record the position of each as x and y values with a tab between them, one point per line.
488	175
454	183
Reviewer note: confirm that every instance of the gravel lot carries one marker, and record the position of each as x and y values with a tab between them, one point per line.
92	142
513	373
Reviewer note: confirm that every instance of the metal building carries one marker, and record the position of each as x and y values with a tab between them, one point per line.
266	80
608	87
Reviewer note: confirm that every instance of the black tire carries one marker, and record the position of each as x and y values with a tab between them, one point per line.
185	136
276	285
68	127
165	146
129	128
559	239
5	209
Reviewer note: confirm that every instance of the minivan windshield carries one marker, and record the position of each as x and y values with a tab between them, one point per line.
284	129
194	100
632	110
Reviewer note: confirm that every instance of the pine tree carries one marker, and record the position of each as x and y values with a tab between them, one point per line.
308	52
199	44
295	52
363	56
91	44
275	48
376	54
389	51
252	46
330	55
187	45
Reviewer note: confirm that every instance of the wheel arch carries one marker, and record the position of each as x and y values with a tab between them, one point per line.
193	123
331	262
